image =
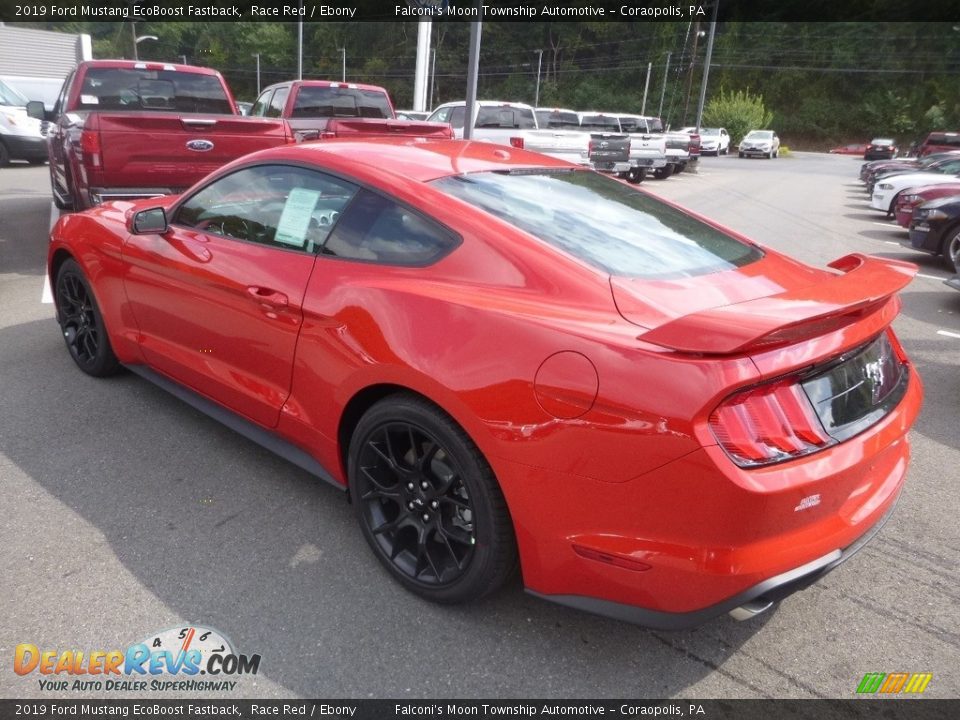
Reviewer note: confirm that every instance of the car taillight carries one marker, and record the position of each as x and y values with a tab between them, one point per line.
768	424
516	142
90	145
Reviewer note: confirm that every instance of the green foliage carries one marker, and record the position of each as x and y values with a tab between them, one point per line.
739	112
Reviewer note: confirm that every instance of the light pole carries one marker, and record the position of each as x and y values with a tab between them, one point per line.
433	76
184	58
343	54
257	56
536	98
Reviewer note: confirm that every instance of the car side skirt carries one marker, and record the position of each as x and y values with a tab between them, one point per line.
260	435
751	602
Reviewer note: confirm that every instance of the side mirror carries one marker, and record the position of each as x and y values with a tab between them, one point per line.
35	110
152	221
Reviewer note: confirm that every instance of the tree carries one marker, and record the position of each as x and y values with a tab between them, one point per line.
739	112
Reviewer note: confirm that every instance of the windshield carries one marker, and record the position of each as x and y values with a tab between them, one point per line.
759	135
602	222
708	132
157	90
10	96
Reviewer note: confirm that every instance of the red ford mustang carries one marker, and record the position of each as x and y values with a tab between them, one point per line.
506	359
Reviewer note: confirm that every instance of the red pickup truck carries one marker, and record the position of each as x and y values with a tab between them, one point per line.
128	129
323	109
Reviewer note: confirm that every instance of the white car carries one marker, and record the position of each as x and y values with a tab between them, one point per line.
886	190
713	141
760	143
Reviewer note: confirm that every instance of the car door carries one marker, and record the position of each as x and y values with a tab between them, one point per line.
218	298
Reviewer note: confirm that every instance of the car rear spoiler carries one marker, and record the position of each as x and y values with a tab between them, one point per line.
866	285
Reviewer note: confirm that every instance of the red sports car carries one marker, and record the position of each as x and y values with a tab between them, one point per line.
908	199
507	359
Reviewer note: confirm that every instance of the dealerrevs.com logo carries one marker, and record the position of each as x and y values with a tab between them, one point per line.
173	660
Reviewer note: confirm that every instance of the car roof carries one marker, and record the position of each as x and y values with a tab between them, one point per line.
414	158
326	83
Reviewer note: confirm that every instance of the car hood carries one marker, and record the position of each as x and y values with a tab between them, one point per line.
773	301
919	179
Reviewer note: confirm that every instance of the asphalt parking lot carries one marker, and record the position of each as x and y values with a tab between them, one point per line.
126	512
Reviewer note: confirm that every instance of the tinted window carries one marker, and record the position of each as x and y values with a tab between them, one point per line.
341	102
440	115
262	103
559	120
457	115
630	124
377	229
277	102
605	123
489	116
141	89
277	205
602	222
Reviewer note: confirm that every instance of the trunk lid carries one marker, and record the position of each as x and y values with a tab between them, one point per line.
774	301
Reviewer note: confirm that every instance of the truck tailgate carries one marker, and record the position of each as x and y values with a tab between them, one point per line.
150	149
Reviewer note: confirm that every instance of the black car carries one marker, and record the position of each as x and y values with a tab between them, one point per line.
881	149
935	228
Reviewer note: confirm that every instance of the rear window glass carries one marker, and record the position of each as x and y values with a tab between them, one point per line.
943	139
153	90
505	117
341	102
633	124
558	120
603	222
600	122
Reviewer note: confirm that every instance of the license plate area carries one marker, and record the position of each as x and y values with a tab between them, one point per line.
858	390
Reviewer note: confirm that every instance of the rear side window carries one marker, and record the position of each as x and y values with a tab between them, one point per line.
558	120
603	222
262	103
153	90
279	99
341	102
377	229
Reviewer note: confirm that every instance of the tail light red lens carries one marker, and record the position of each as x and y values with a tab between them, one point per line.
768	424
516	142
90	145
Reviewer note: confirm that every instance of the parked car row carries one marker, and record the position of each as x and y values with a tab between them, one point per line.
923	195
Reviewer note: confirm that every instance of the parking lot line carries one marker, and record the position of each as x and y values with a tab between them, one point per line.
931	277
947	333
46	296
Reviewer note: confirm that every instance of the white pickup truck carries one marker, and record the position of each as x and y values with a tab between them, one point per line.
648	151
515	124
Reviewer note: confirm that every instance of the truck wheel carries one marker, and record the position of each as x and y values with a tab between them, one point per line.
663	173
636	175
4	155
740	154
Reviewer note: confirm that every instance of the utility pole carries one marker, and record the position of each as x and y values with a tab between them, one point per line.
663	90
473	69
343	52
693	61
706	66
257	56
643	107
300	44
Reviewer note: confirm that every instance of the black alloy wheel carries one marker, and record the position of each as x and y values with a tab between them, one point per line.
428	503
950	251
82	323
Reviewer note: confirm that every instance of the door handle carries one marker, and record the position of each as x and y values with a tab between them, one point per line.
266	296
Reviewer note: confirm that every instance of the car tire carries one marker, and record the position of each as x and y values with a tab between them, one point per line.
636	176
740	154
950	252
4	155
663	173
81	323
428	502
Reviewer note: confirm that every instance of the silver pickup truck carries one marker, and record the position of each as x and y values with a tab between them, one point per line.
515	125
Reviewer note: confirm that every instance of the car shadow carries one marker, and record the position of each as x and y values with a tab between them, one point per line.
228	535
927	263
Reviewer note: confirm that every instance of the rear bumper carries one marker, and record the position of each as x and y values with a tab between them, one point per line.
611	167
742	606
925	240
100	195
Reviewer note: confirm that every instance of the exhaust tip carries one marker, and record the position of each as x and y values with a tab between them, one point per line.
755	607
